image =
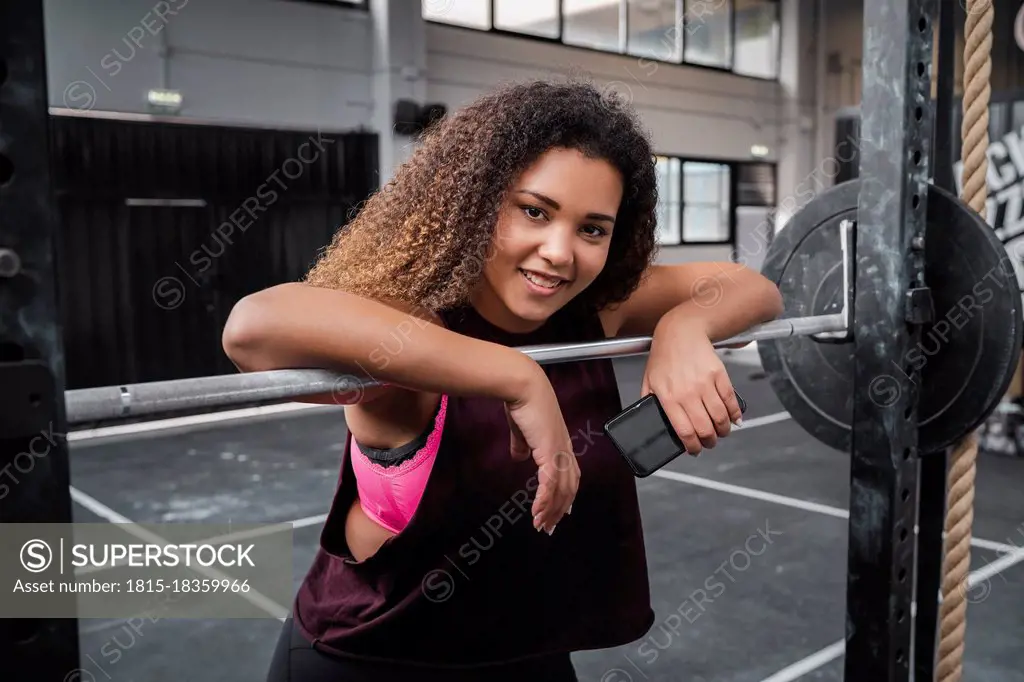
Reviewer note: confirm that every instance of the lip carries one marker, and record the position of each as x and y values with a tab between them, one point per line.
546	275
537	289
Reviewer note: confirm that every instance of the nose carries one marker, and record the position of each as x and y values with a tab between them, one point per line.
556	248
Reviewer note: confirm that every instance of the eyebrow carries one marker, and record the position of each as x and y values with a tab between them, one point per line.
555	205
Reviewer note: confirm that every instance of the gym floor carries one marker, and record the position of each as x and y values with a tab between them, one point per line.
746	546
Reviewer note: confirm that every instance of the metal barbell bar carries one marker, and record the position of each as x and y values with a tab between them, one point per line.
282	385
130	400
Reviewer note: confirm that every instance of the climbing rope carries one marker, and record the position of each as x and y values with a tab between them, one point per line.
960	502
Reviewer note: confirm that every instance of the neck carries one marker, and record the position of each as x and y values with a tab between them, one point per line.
490	307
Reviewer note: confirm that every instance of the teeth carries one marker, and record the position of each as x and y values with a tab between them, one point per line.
539	281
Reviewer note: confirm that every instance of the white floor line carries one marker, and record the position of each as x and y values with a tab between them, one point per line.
754	494
754	422
804	505
836	649
192	420
268	529
253	596
83	435
809	664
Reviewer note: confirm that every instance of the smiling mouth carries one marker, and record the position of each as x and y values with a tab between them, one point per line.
542	281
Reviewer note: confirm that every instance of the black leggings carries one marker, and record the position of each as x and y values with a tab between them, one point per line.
295	660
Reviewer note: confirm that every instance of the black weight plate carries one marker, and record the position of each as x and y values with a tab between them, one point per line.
966	355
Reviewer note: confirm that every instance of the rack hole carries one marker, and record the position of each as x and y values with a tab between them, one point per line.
910	408
899	655
917	157
922	24
902	575
904	494
918	113
903	534
3	71
6	170
920	69
916	201
899	615
906	453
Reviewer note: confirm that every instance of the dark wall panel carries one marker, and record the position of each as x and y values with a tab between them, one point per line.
166	226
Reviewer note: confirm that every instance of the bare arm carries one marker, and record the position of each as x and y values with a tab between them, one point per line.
299	326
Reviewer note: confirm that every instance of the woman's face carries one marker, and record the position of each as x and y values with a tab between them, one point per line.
552	239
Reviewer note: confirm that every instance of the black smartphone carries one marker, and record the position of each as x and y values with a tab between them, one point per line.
645	437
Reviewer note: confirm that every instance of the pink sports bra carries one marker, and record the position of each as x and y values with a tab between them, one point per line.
391	482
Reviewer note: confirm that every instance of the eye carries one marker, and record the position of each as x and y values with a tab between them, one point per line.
535	210
598	231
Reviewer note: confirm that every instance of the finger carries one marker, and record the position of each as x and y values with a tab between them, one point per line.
569	471
717	411
560	472
541	499
548	500
728	395
682	426
541	504
701	421
565	469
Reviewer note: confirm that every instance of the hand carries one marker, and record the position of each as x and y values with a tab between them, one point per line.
538	430
691	383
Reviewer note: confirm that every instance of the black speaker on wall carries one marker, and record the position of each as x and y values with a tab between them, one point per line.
412	118
847	145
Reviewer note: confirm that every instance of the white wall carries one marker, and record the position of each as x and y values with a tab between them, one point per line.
261	62
689	111
279	63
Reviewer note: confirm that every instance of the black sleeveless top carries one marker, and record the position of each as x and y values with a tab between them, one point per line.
470	581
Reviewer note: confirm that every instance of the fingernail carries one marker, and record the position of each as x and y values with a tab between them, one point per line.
552	529
570	510
739	422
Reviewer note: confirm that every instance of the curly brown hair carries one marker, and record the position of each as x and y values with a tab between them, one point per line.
424	237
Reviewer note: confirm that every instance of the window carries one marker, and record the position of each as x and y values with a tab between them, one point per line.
592	23
653	30
757	38
471	13
708	32
361	4
738	35
706	202
537	17
669	186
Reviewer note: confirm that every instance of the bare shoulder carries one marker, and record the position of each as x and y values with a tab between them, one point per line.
417	313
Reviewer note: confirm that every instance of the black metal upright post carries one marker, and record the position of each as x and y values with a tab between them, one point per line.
34	472
891	303
932	505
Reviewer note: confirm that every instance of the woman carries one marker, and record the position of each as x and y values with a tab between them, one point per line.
483	526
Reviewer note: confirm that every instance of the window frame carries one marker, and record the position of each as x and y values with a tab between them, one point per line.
361	5
624	38
733	205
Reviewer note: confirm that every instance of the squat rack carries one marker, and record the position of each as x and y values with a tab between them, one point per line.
895	155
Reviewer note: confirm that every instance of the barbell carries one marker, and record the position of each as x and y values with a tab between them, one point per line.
807	354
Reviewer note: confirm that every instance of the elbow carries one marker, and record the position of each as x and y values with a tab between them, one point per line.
243	332
769	304
774	305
